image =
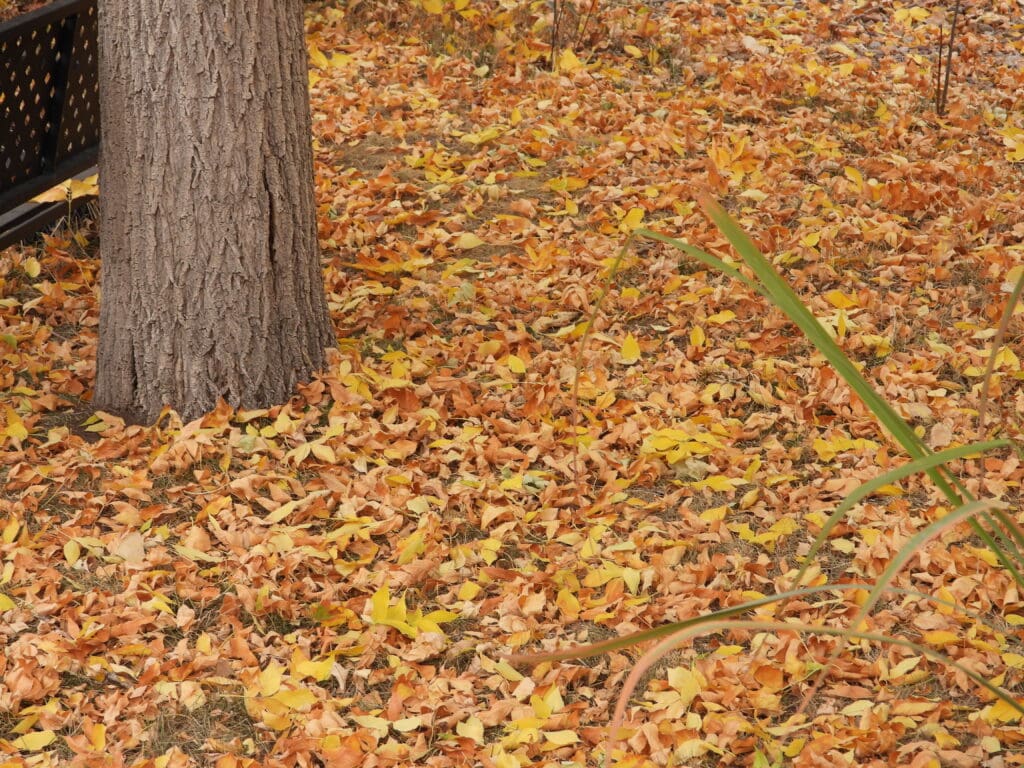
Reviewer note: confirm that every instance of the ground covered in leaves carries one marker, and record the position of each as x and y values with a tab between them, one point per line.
334	581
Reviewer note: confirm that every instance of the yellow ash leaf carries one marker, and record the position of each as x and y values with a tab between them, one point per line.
567	61
317	57
687	683
944	739
561	738
487	134
811	239
941	638
378	725
1013	660
406	724
840	300
515	364
857	708
629	353
633	219
15	429
299	699
469	590
468	240
566	184
86	187
488	348
411	548
913	708
719	483
714	514
97	736
471	728
72	551
508	672
35	741
1001	712
270	679
987	556
303	667
324	453
204	645
903	668
854	175
568	604
697	336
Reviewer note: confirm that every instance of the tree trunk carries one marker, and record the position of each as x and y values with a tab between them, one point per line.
211	282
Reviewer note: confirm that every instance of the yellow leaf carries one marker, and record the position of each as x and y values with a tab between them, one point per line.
515	364
6	604
72	551
411	548
855	176
633	51
566	184
471	728
840	300
687	683
633	219
11	530
468	240
318	670
630	351
324	453
86	187
722	317
567	61
97	736
270	679
568	604
296	698
1001	712
811	239
469	590
35	741
487	134
697	336
433	6
31	267
16	429
406	724
941	638
561	738
317	57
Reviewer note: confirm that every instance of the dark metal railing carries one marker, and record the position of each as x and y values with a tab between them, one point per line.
49	106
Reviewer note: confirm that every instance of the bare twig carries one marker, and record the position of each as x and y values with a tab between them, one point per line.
942	77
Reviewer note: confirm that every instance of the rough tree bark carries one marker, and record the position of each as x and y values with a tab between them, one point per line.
210	274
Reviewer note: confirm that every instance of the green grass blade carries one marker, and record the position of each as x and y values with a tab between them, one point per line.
786	299
644	636
890	477
702	256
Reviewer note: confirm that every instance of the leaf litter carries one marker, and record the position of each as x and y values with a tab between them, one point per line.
334	581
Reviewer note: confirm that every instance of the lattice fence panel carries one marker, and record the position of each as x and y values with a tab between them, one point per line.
49	96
